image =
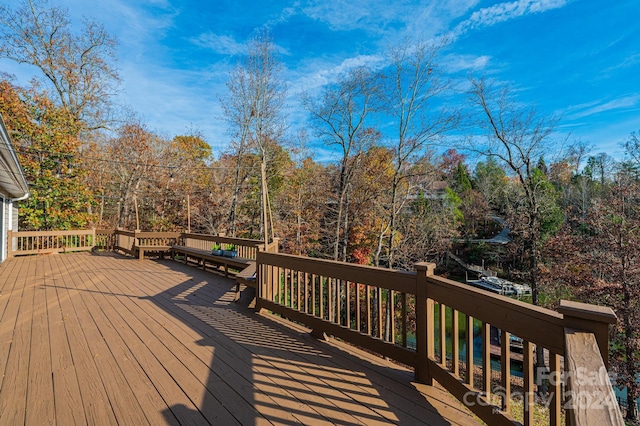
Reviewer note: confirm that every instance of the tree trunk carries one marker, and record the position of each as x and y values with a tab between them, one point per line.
376	259
345	232
392	220
234	201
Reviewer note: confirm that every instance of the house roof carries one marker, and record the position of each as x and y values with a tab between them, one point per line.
12	180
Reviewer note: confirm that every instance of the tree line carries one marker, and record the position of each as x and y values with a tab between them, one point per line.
413	178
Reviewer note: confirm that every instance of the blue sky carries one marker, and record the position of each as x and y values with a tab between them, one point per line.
579	59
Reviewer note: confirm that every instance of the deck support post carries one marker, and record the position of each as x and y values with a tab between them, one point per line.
424	323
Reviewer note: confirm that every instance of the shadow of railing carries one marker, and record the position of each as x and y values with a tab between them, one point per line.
260	371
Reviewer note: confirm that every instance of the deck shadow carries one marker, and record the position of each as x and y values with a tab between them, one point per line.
285	375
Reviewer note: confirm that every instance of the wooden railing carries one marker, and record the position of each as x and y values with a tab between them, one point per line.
105	239
40	242
384	310
159	239
247	248
35	242
339	299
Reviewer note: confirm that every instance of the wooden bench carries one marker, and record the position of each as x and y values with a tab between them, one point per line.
204	256
247	277
138	251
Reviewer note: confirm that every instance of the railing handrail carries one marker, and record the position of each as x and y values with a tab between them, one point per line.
52	233
157	234
225	239
390	279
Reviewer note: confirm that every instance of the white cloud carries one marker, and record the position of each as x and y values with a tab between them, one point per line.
586	110
221	44
456	63
503	12
391	20
319	73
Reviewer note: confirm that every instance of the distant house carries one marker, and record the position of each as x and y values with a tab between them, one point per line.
436	190
13	187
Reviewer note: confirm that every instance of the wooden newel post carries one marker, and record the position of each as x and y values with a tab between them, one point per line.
260	278
424	323
593	318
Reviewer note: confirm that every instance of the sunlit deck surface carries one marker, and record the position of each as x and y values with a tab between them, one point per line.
98	338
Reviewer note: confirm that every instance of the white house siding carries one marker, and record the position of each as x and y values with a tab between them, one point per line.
4	221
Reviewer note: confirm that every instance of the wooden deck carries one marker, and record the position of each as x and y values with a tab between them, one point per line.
89	338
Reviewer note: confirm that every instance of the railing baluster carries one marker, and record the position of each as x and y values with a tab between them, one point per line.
431	332
348	303
306	292
339	304
331	283
443	336
299	295
554	389
404	319
391	315
274	283
357	292
267	285
455	342
505	365
527	349
469	342
313	295
322	291
379	311
287	287
486	359
368	307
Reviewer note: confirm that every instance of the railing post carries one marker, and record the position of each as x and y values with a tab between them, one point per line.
593	318
424	323
260	277
9	244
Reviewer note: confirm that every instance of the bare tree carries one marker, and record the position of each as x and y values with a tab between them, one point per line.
339	119
237	107
254	109
141	151
78	67
519	137
414	83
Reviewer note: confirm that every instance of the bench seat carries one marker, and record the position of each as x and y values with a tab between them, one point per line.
204	256
247	277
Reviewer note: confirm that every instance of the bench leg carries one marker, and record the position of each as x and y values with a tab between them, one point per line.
140	254
237	292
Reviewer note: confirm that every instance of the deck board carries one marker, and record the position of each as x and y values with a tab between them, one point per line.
95	401
92	338
69	409
10	304
40	393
